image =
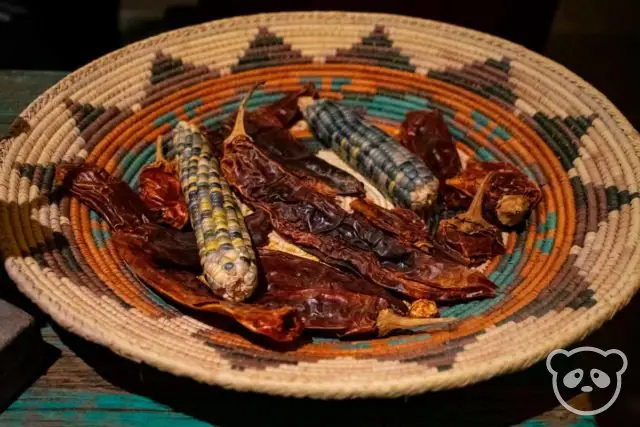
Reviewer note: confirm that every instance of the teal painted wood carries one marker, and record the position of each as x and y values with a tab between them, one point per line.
73	393
85	408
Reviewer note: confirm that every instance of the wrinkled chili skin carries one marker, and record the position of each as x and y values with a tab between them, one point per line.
403	224
109	196
425	133
283	271
168	261
267	127
161	192
343	313
313	221
281	324
259	226
162	256
507	180
475	244
286	109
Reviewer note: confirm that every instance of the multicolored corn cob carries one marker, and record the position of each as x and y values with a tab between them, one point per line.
393	169
227	257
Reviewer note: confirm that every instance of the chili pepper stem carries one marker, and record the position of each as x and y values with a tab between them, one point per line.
238	127
388	321
159	153
474	213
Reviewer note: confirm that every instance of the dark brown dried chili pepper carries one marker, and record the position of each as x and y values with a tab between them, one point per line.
167	260
286	110
267	127
281	324
343	313
469	234
426	134
404	224
111	197
259	227
510	196
283	271
160	190
313	221
163	257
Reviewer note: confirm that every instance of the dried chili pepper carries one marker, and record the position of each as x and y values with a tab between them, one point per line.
286	110
403	224
332	301
300	293
285	272
162	257
259	227
111	197
160	190
343	313
426	134
281	324
469	234
267	128
510	197
313	221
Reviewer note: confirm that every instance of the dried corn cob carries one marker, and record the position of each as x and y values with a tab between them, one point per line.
226	254
393	169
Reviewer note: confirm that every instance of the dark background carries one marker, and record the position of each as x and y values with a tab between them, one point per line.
597	39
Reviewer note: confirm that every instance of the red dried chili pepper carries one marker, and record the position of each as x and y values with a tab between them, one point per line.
267	128
509	199
426	134
469	234
313	221
285	272
159	188
163	257
280	324
403	224
299	292
332	301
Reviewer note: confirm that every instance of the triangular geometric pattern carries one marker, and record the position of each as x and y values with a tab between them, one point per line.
375	49
165	66
169	73
268	49
489	79
84	114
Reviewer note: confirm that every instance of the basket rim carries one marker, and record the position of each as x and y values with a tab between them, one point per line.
457	377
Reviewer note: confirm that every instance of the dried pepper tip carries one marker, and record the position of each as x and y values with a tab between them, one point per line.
423	308
238	128
512	208
388	321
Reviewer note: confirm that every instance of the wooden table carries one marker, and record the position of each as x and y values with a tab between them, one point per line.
88	385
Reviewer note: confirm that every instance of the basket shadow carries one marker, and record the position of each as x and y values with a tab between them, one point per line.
502	401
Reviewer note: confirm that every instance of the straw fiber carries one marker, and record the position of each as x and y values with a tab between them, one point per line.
574	265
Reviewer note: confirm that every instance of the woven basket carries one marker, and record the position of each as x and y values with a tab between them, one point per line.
575	265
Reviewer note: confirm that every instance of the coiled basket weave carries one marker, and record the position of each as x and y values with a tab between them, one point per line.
576	263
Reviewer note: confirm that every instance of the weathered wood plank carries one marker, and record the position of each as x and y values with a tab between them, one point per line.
21	349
